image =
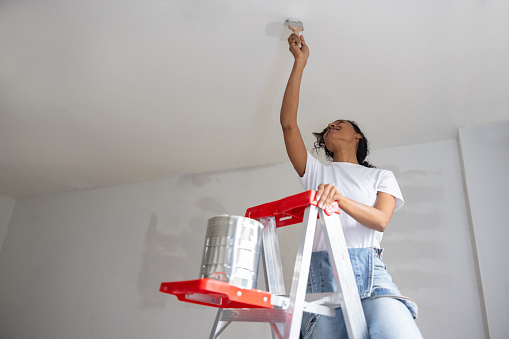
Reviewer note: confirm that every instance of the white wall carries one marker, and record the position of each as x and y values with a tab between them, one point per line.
89	264
485	151
6	209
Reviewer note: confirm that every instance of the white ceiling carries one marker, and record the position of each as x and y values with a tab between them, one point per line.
99	93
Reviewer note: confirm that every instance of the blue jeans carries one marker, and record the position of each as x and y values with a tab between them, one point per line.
388	314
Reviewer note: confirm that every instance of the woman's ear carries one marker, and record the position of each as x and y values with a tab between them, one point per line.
358	136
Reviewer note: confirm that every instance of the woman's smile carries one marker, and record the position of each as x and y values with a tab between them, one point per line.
333	128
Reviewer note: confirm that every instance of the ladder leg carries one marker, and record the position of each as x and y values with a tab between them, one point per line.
271	256
343	274
276	333
273	269
300	274
219	325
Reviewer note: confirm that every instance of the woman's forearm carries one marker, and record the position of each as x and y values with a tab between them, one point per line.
376	217
368	216
290	103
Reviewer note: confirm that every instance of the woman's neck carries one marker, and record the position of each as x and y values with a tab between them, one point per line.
345	156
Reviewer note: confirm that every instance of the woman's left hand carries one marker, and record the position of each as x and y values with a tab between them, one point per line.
326	194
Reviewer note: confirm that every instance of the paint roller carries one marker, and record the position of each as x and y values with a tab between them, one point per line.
295	25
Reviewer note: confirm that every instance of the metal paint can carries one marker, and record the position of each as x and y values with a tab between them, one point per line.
232	250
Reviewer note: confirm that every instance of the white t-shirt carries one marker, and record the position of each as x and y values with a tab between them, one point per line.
355	182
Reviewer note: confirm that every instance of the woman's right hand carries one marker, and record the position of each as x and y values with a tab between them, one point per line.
298	47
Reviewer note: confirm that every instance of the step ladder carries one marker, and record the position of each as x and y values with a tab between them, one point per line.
284	312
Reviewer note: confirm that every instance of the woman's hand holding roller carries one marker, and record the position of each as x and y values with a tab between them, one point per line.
298	48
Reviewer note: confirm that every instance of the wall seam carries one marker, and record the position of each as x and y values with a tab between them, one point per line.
473	240
2	240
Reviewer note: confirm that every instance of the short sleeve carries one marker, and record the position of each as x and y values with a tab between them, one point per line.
388	184
308	180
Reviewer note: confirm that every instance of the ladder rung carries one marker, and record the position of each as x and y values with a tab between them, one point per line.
255	315
329	299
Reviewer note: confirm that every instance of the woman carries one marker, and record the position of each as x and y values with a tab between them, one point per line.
367	197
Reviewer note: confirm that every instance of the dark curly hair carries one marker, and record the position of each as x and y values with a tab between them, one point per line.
362	149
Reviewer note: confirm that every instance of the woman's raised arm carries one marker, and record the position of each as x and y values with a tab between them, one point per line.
293	139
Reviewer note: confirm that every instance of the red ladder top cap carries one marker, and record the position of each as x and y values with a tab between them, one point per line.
289	208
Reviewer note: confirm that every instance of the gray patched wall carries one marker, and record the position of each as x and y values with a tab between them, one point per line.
89	264
428	243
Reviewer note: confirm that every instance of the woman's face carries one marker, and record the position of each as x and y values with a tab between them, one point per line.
340	130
